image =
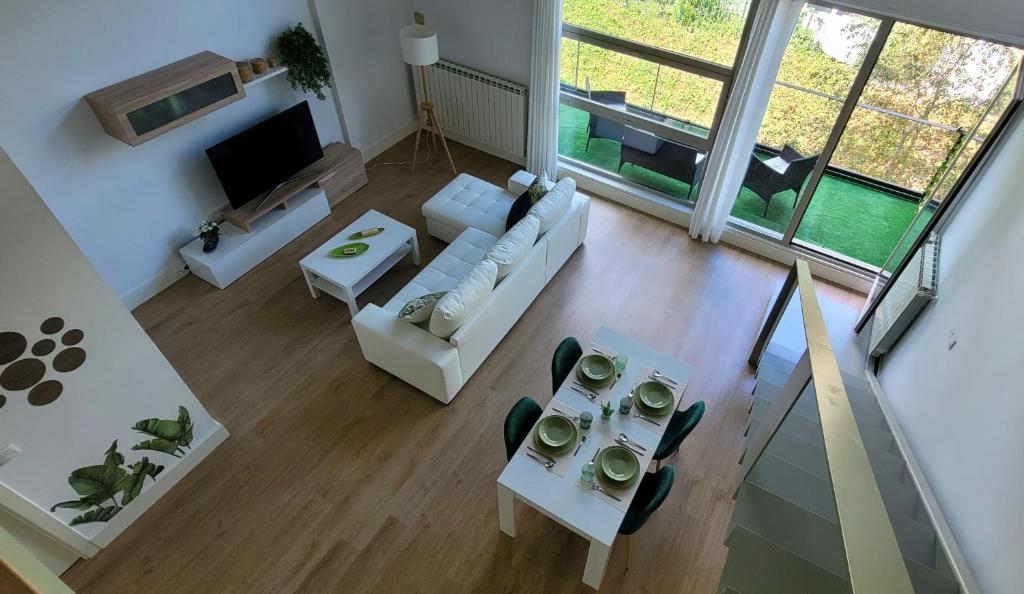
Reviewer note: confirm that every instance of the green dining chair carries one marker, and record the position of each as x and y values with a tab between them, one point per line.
564	360
651	493
682	423
519	422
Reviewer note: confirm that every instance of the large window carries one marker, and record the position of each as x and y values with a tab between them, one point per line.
870	124
644	84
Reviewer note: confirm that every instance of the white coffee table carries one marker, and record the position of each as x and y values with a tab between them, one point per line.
346	278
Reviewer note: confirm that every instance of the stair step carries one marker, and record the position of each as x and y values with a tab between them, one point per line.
817	540
810	431
808	407
778	379
757	566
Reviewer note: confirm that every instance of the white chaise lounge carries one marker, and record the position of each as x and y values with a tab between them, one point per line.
470	214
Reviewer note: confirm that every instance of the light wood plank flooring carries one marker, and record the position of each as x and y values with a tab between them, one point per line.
338	477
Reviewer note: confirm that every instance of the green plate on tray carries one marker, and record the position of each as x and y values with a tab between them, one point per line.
349	250
617	466
367	233
595	370
555	434
654	398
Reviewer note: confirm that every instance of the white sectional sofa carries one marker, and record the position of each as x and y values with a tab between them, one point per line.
470	215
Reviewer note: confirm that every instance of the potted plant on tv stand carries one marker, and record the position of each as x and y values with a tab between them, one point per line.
210	234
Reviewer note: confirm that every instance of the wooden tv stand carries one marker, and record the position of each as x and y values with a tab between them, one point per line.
339	173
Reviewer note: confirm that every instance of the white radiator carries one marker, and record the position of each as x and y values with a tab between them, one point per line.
914	288
478	109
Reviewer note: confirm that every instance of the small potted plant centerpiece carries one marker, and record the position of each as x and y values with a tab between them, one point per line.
210	234
607	410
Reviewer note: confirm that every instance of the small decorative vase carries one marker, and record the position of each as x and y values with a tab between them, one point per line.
210	243
244	71
625	405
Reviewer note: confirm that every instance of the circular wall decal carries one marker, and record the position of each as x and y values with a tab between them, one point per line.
23	374
68	360
45	392
3	400
12	345
43	347
51	325
72	337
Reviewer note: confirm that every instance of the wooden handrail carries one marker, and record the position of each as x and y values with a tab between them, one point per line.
872	554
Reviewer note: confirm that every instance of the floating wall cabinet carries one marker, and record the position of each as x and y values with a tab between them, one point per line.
146	106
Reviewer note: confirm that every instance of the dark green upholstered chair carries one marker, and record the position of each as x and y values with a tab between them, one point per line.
682	423
564	360
651	493
519	422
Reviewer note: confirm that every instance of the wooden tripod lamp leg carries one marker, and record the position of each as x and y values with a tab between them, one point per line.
416	144
444	144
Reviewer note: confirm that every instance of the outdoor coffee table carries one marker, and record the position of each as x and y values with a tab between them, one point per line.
346	278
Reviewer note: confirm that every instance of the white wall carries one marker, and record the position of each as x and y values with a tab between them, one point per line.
961	408
362	42
494	36
123	379
130	208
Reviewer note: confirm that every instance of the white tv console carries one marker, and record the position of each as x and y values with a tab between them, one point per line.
239	252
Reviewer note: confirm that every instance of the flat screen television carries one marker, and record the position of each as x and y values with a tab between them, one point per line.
258	159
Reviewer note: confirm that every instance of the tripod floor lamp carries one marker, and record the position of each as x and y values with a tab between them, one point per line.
419	48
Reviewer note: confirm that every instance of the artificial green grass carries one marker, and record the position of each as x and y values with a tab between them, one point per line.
845	217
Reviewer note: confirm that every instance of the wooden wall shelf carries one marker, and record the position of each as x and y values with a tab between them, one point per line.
339	173
146	106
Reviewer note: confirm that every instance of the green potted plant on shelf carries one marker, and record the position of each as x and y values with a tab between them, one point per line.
305	60
209	233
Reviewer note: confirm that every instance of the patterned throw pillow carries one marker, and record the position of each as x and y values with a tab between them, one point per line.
538	188
419	309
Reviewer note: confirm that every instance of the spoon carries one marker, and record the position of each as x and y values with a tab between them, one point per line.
580	445
626	439
545	463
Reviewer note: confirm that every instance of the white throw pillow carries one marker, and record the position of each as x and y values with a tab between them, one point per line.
554	204
462	300
514	245
419	309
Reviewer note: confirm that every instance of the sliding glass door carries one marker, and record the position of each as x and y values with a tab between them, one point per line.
816	77
644	85
927	105
870	124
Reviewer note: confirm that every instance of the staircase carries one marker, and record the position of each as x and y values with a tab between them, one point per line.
785	535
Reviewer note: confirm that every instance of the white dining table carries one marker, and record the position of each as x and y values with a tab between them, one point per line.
561	498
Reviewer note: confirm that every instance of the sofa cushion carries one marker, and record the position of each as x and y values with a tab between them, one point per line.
513	246
470	202
554	204
441	274
418	309
519	209
462	301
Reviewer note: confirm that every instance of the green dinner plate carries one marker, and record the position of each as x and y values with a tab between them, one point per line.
595	370
654	396
339	252
618	466
555	434
367	233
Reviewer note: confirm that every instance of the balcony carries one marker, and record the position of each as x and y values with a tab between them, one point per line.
851	215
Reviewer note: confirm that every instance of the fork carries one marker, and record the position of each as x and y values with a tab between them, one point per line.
573	418
640	415
598	488
541	454
626	439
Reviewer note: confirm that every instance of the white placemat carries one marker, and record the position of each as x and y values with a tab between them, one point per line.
655	424
626	494
594	394
562	461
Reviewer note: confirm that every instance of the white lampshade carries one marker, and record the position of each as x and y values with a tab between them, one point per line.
419	45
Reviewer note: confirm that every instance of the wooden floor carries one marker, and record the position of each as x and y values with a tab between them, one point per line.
338	477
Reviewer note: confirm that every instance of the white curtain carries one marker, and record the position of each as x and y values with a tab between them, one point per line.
542	129
752	87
